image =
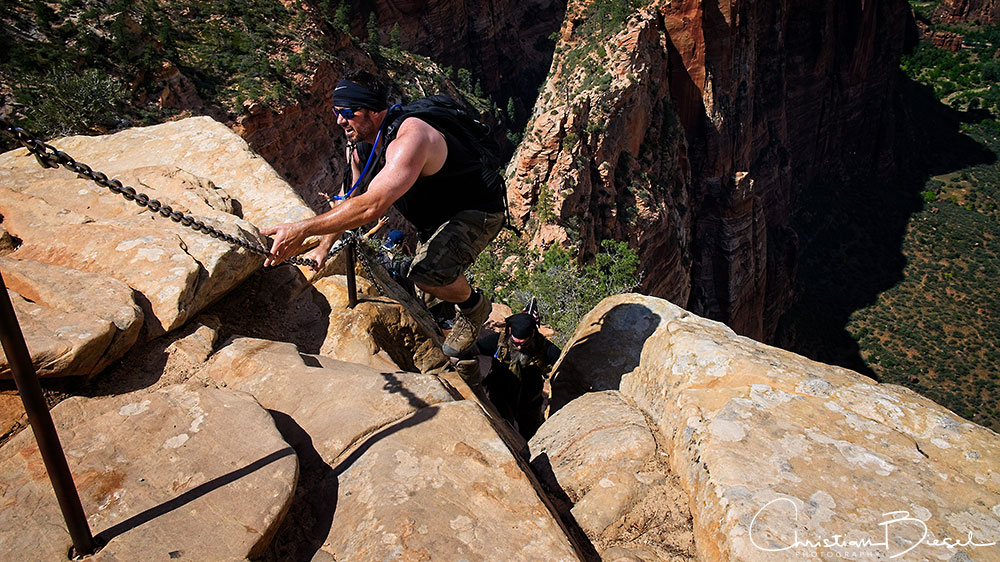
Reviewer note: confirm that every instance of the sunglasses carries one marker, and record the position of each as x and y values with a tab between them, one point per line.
346	112
518	342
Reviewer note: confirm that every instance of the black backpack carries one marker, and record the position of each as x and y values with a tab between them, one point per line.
446	113
443	112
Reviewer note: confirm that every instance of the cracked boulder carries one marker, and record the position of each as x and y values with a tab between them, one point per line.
379	331
154	471
784	458
196	165
74	322
600	457
396	467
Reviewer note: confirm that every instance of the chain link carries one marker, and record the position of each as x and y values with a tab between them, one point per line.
50	157
366	262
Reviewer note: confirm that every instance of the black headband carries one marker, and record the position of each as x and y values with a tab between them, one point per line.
356	96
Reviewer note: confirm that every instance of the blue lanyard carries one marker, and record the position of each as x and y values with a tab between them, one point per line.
371	156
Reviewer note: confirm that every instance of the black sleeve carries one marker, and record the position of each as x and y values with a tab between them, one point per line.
552	353
488	344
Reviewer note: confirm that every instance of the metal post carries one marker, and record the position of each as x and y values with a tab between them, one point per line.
352	283
43	427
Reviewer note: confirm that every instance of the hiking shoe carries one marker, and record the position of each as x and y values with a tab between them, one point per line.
469	370
462	337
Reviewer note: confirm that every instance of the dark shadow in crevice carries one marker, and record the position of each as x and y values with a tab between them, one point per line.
562	503
587	366
310	516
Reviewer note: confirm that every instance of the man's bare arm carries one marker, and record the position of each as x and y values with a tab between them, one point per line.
418	150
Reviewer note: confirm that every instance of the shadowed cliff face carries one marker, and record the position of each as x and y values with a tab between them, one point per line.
769	96
505	44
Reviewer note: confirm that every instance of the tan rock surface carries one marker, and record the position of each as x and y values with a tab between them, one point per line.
797	449
100	310
597	434
12	416
442	485
601	457
337	403
393	329
196	165
397	467
348	333
155	471
199	146
61	343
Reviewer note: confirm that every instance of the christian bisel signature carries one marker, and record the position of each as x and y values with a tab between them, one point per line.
890	527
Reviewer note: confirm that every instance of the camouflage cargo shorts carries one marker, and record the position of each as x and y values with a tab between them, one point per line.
453	247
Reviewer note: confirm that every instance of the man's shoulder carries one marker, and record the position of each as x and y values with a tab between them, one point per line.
413	126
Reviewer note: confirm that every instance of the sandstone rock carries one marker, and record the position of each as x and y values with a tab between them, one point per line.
74	323
12	416
179	91
380	331
413	473
196	165
335	402
61	343
600	456
983	12
771	446
200	147
190	352
498	313
442	485
348	334
596	435
155	471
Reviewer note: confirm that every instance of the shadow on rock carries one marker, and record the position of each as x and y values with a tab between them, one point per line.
187	497
608	349
542	467
417	418
308	522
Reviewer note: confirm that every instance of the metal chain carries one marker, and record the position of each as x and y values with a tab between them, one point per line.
366	262
50	157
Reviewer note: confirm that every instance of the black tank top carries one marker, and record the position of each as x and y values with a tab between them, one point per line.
462	183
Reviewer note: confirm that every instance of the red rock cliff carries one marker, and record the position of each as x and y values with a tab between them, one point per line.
770	96
958	11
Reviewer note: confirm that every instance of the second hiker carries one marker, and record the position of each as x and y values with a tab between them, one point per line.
435	176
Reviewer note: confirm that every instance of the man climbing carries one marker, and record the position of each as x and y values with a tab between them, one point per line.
434	179
522	358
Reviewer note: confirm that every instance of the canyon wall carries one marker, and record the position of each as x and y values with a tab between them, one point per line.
689	129
984	12
504	44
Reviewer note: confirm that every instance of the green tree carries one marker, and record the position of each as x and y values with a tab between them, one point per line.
63	102
342	18
394	38
465	79
565	290
372	28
